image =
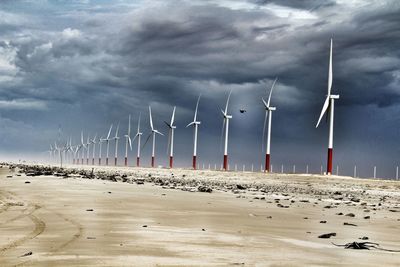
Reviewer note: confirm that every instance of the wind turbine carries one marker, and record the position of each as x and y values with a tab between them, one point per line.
83	149
329	105
101	140
128	141
93	141
107	140
116	138
138	135
87	149
153	134
268	114
171	127
195	124
226	125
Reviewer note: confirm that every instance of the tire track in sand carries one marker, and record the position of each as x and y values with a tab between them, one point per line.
39	228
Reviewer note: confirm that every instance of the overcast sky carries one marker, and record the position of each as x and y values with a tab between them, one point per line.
86	64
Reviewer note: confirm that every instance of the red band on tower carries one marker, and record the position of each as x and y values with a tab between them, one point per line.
329	164
126	161
194	165
137	161
152	162
225	162
267	162
171	161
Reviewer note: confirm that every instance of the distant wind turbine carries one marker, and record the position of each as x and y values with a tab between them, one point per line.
94	142
329	105
152	134
83	148
172	128
138	136
195	124
107	140
116	138
226	126
268	114
128	141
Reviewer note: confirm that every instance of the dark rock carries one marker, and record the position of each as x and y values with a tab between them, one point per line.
241	187
329	235
204	189
350	215
364	238
27	254
322	222
27	182
367	217
89	210
349	224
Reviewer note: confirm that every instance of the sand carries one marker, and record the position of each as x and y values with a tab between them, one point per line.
91	222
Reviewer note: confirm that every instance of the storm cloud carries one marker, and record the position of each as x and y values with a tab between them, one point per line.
84	65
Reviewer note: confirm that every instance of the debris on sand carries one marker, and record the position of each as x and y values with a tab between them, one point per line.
27	254
90	237
27	182
367	217
364	238
327	235
204	189
364	245
144	226
322	222
349	224
350	215
89	210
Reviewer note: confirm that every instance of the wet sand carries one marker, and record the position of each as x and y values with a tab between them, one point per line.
91	222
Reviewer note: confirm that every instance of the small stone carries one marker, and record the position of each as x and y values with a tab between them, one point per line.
327	235
322	222
350	215
27	182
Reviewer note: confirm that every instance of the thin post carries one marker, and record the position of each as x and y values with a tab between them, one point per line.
203	166
307	169
294	168
209	166
374	172
321	170
397	173
261	169
355	171
282	168
235	167
337	170
244	168
215	166
252	167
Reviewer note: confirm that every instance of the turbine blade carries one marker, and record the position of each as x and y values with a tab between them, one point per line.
109	132
330	74
138	125
270	92
133	140
151	120
156	131
190	124
324	108
197	107
227	102
147	140
263	134
130	142
116	132
173	116
169	125
265	103
129	125
222	134
169	140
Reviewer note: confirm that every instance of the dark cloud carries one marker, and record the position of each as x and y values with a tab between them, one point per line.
85	67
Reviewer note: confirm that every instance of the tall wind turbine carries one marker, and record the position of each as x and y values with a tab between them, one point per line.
107	140
268	114
152	134
172	128
226	125
128	141
138	135
195	124
329	105
94	142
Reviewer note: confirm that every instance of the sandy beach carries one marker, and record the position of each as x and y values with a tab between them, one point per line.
158	217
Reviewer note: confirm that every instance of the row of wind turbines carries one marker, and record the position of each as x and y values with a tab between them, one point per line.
78	151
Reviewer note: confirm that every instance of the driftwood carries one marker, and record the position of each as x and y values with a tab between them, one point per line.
364	245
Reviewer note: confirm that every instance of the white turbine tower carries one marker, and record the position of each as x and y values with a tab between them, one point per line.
101	140
172	128
329	106
94	142
116	138
268	114
107	140
195	124
87	149
128	141
226	126
138	135
83	149
152	134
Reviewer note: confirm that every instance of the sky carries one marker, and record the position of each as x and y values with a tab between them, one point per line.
84	65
